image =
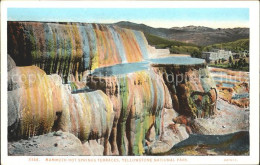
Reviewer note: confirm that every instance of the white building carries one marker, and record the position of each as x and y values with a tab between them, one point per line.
216	54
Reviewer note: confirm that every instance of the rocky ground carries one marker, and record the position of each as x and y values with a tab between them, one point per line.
228	119
225	133
213	145
55	143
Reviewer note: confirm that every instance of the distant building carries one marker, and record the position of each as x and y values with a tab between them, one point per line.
216	54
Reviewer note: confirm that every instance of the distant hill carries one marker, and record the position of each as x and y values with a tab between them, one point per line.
193	28
175	47
197	35
160	42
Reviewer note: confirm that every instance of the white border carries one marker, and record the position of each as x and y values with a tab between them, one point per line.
254	77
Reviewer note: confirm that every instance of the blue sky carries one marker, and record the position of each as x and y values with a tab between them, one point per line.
156	17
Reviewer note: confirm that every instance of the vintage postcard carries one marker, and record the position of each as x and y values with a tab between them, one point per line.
130	82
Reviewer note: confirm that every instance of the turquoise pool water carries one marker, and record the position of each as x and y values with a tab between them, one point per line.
240	96
177	60
223	79
219	73
121	69
227	85
126	68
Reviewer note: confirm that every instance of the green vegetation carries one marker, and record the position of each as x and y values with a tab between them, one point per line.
163	43
235	46
176	47
241	64
226	66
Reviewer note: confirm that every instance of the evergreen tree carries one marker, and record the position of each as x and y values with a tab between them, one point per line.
236	64
244	62
230	60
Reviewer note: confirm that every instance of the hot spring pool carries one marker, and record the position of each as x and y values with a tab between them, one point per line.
177	60
219	73
224	79
126	68
121	69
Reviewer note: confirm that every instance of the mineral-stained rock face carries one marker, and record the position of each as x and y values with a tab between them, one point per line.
88	116
10	63
171	133
46	105
138	99
65	48
233	86
130	104
191	88
32	100
25	77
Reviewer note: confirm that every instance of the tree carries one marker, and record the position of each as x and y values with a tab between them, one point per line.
236	64
230	59
244	62
240	63
232	65
196	53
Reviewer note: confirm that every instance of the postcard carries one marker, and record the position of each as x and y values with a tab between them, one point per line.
130	82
